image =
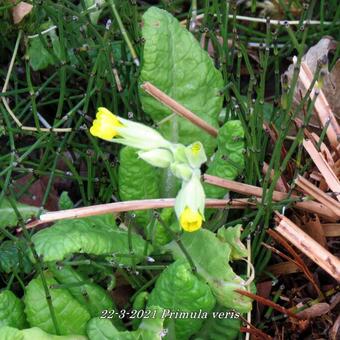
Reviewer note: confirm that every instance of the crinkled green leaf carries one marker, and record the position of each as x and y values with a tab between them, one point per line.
149	329
35	333
65	201
71	316
178	289
8	218
228	161
90	295
11	310
232	236
211	257
174	61
78	236
13	257
137	180
215	328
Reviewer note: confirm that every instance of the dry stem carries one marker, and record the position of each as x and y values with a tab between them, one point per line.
101	209
178	108
248	189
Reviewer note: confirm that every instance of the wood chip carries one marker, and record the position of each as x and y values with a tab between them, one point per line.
310	189
322	107
324	168
302	241
331	229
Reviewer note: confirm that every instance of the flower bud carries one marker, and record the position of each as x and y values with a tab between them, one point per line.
195	154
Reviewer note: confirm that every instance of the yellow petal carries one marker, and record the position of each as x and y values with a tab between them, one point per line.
190	220
104	126
104	131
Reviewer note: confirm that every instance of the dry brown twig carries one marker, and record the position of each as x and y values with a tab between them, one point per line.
311	248
178	108
101	209
323	166
247	189
312	190
267	302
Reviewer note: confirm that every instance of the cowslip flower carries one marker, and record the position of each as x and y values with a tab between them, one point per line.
190	220
183	161
105	125
190	202
119	130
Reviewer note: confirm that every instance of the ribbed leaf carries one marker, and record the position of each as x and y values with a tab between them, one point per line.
174	61
11	310
71	316
78	236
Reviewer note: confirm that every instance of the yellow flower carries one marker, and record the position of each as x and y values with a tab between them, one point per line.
105	124
190	220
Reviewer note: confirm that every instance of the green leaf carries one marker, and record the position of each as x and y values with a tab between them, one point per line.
149	329
228	161
106	220
137	180
232	236
174	61
77	236
11	310
90	295
178	289
71	316
65	201
157	232
8	217
213	266
13	257
38	56
223	328
35	333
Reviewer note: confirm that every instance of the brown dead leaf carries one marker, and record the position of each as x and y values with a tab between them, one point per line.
314	229
331	89
314	311
35	193
20	11
283	268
